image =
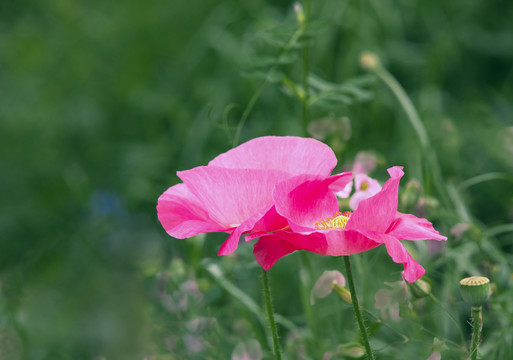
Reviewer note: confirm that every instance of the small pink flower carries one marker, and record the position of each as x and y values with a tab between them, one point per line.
233	193
315	224
324	284
365	187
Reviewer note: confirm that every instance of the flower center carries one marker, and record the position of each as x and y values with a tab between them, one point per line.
337	221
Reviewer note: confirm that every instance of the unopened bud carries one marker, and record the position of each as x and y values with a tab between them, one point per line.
352	351
369	61
344	293
300	14
475	290
420	288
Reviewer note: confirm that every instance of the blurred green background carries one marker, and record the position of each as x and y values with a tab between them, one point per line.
101	102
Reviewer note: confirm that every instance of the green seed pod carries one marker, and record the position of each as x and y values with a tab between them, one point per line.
475	290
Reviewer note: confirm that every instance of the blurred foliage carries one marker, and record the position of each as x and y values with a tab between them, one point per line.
101	102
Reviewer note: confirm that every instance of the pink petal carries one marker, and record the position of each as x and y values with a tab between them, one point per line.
362	181
305	199
290	154
269	249
410	227
182	215
334	242
264	221
231	196
412	269
377	212
271	221
346	191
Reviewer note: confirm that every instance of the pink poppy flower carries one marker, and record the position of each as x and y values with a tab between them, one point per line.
311	210
233	193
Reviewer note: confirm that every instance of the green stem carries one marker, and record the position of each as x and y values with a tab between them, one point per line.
356	306
477	324
270	313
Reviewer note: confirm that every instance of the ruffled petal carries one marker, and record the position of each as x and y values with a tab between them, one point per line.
294	155
182	215
377	212
305	199
268	249
231	196
412	269
263	221
410	227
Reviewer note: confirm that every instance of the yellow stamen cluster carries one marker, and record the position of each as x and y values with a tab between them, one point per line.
337	221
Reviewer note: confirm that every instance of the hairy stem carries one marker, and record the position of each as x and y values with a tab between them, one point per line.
356	306
270	313
477	325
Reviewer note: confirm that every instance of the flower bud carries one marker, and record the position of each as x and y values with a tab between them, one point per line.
369	61
353	351
329	280
475	290
344	292
420	288
300	14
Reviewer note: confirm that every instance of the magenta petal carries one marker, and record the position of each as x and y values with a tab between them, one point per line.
377	212
410	227
412	269
294	155
268	249
182	215
347	242
271	221
335	242
231	196
305	199
231	244
264	221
